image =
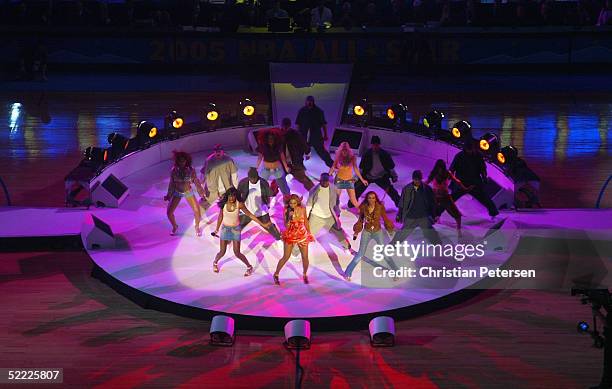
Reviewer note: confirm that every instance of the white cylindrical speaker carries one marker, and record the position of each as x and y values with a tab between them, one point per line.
382	331
222	330
297	334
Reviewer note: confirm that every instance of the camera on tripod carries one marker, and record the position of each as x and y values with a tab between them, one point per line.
599	298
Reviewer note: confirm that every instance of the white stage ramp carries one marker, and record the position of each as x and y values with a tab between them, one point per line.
292	82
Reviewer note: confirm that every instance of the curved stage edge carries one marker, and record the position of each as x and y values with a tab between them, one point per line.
268	323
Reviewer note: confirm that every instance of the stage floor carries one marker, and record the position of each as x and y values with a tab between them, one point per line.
178	269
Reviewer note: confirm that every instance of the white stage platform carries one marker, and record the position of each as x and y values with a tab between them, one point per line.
178	269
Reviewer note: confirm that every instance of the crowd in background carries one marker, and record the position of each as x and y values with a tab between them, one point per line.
227	15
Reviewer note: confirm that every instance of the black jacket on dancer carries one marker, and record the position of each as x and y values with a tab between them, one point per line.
297	148
262	203
417	208
384	177
409	204
469	167
266	192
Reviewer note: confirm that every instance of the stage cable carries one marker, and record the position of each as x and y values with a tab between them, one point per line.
299	370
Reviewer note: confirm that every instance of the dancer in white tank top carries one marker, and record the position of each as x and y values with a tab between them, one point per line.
229	224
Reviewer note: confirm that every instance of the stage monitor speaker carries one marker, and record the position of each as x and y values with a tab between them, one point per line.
97	234
252	140
353	136
111	192
501	198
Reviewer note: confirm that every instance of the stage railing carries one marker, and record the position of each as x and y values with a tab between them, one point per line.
418	130
162	150
237	138
6	192
191	142
602	191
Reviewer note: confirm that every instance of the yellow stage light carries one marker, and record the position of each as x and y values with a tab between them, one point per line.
489	142
248	107
212	115
484	145
462	129
248	110
501	158
456	132
177	123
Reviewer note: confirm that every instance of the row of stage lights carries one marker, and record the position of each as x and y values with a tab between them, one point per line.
148	133
460	133
488	144
297	332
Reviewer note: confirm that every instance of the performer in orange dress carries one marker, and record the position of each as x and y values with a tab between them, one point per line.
296	233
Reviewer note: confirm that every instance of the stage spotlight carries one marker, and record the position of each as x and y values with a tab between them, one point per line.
397	115
222	331
118	142
297	334
147	133
462	130
582	326
489	143
119	145
247	107
94	153
175	120
360	113
149	129
507	155
97	156
382	331
211	112
210	118
433	120
361	108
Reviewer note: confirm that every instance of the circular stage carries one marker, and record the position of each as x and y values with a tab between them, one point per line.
174	273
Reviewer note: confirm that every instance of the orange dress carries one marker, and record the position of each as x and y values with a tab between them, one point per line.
296	232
